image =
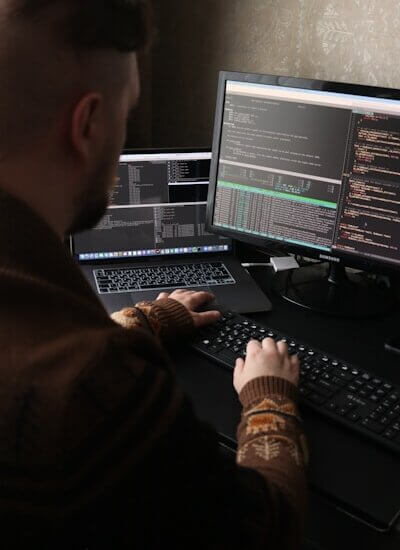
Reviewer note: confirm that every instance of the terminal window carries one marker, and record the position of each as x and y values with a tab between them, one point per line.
307	170
156	203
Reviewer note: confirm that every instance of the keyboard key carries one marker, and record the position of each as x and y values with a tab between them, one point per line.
318	389
346	376
372	425
339	381
331	406
328	385
390	434
317	398
216	347
374	398
354	417
375	416
303	391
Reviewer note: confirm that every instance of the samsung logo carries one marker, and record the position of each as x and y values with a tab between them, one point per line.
329	258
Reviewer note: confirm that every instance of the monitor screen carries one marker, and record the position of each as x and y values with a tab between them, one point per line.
157	207
301	164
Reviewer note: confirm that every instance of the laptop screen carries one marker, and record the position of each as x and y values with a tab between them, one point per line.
157	207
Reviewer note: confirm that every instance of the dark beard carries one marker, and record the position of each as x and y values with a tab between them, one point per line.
92	204
90	212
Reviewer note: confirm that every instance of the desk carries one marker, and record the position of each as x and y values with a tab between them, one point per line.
335	453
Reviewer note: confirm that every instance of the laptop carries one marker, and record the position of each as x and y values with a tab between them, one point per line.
153	239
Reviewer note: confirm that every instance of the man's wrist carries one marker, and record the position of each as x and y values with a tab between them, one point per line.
267	386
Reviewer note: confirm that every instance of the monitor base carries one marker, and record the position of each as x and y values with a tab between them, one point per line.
336	293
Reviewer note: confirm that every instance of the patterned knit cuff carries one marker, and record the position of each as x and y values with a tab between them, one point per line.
128	318
267	386
168	318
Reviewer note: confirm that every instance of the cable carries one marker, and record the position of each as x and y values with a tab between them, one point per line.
279	263
256	264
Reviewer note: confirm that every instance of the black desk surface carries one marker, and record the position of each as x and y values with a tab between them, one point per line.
345	472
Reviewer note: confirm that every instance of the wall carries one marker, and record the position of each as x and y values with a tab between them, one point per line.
345	40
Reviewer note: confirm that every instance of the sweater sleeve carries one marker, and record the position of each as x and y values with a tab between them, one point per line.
165	318
173	480
272	442
128	464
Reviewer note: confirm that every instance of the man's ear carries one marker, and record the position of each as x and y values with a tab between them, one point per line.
87	129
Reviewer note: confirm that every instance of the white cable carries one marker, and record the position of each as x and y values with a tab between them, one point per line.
279	263
263	264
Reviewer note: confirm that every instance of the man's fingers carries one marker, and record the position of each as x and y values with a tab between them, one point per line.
295	364
295	361
268	344
239	364
253	346
237	373
205	318
162	295
282	347
199	298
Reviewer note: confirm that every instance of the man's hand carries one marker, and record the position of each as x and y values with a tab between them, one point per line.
192	300
266	358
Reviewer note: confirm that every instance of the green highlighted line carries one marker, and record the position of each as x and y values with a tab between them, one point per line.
277	194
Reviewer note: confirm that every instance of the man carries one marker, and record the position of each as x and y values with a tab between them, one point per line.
99	448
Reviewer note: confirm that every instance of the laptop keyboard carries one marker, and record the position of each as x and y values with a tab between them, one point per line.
160	277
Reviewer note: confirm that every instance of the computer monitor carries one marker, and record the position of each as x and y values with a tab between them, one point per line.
156	208
308	167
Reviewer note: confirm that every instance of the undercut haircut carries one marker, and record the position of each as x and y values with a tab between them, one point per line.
122	25
53	50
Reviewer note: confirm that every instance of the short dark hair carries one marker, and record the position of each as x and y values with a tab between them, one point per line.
47	51
122	25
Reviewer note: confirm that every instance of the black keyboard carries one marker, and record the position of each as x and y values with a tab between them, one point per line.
160	277
352	396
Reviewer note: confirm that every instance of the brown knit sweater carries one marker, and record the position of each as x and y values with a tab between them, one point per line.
99	447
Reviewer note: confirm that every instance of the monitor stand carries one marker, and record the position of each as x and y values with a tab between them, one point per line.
337	293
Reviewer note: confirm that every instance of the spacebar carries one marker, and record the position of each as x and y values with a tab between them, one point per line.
163	285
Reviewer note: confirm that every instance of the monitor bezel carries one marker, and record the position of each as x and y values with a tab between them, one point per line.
150	259
271	245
